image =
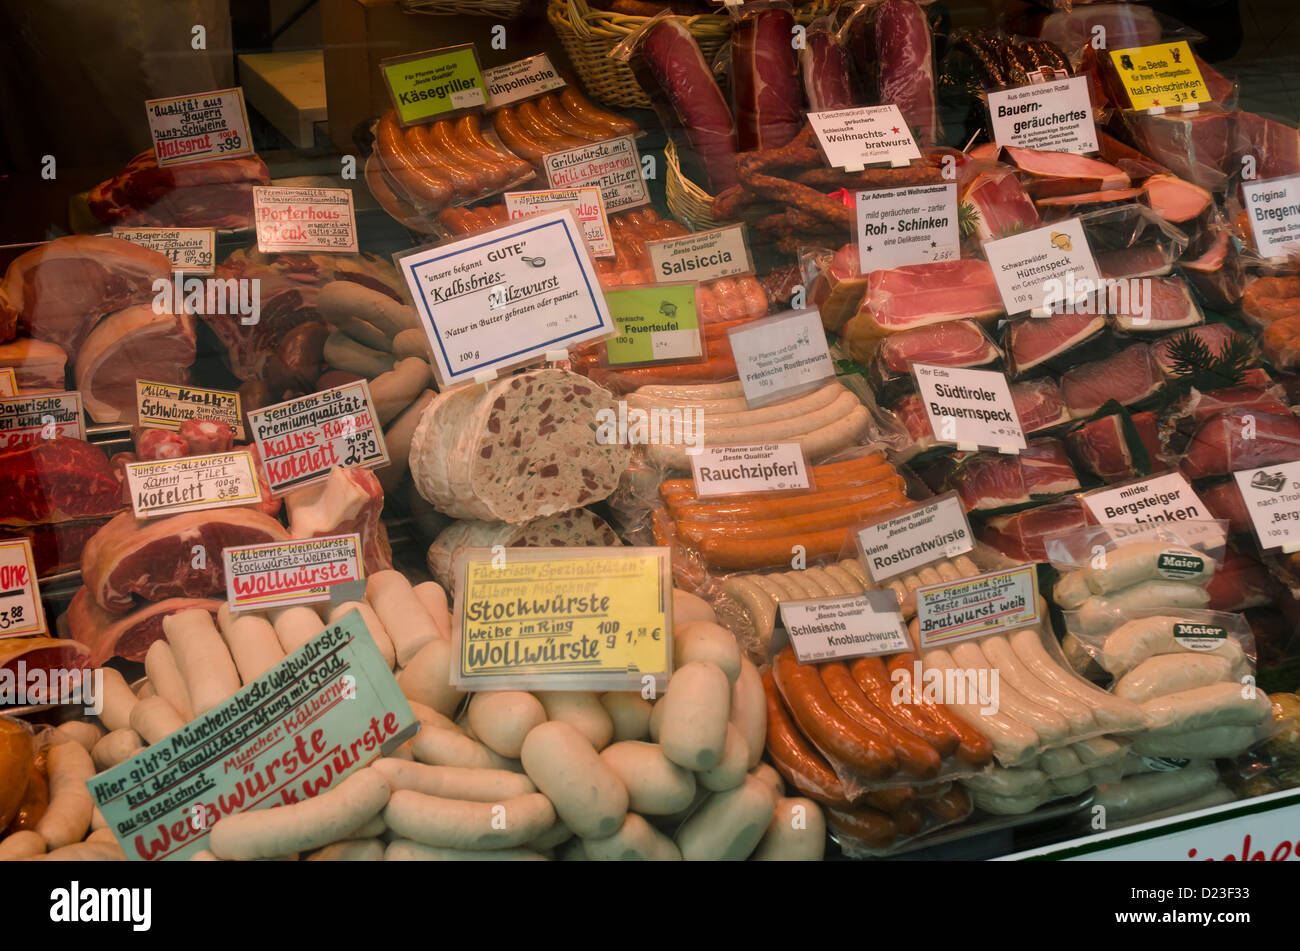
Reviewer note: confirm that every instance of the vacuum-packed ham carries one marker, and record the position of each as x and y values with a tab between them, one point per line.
899	58
1023	535
824	67
1129	377
160	558
765	79
61	289
1105	448
1241	439
110	359
918	295
1036	344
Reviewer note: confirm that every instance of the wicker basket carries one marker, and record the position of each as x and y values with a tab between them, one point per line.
588	35
689	203
501	9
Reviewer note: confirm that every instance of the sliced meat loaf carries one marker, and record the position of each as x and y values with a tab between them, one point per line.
576	528
519	449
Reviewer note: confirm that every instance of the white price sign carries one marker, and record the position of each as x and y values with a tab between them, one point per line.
780	355
858	625
971	408
901	226
1272	496
1047	117
865	135
304	219
737	470
1273	207
1048	265
901	543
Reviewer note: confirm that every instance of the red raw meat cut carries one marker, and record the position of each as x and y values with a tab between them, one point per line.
911	414
154	444
1241	582
1141	260
989	480
1274	145
921	294
1034	342
204	436
1198	147
1063	173
1213	266
270	351
1198	406
1165	304
113	354
1220	445
215	194
1023	535
838	287
39	367
1129	376
1213	336
824	67
1001	205
41	653
61	289
130	635
954	343
1065	206
1175	200
1039	404
56	546
680	84
903	50
349	500
156	560
1103	449
55	480
765	79
1223	500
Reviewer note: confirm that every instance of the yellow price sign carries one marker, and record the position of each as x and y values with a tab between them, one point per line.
562	618
1164	75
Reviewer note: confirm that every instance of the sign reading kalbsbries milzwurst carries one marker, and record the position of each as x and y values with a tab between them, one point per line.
198	127
301	439
304	219
167	405
302	571
29	419
613	166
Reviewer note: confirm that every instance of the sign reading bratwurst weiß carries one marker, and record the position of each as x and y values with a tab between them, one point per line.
507	296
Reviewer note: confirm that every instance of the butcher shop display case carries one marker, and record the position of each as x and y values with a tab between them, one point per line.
848	430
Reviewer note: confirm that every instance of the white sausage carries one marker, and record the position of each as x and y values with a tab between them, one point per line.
1134	641
439	747
729	825
688	608
160	665
749	710
20	845
393	391
116	747
1014	671
1143	561
205	664
461	824
1148	792
796	833
296	626
67	818
1012	741
378	633
502	718
693	730
81	732
1170	673
350	850
1051	727
656	786
427	677
253	646
405	619
155	720
731	771
582	710
629	713
588	796
1220	704
301	826
434	600
708	642
1102	612
765	773
454	782
1111	713
635	841
1059	763
403	850
117	700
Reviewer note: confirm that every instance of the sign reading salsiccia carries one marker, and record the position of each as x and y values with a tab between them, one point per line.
326	710
562	619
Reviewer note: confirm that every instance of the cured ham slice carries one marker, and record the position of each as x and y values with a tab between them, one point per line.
1001	205
838	288
922	294
1220	445
1063	173
1241	582
1045	343
56	480
1039	404
39	366
1175	200
1213	336
1023	535
989	480
1198	147
1274	145
158	559
1129	376
1103	448
112	356
128	636
1065	206
62	289
1213	266
348	500
213	194
824	67
956	343
1223	500
1166	305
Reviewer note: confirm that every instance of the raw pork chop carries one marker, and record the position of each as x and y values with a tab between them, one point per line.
124	635
1129	376
61	289
156	559
39	366
214	194
348	500
111	359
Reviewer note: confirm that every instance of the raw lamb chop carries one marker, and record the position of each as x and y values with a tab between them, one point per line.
112	356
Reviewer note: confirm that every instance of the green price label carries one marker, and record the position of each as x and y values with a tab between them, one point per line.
654	324
426	85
